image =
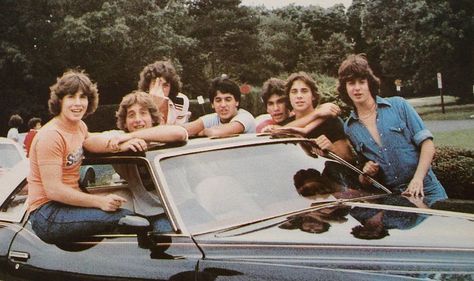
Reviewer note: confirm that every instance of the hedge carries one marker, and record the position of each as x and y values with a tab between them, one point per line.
454	168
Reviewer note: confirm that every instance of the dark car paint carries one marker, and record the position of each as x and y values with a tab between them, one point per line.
260	251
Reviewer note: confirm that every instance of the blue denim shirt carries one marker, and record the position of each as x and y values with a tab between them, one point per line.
401	132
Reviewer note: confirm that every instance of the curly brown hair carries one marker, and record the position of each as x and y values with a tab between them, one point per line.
165	69
274	86
70	83
356	66
136	97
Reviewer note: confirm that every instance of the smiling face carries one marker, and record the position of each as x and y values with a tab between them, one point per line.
301	98
73	107
277	108
225	106
138	117
358	91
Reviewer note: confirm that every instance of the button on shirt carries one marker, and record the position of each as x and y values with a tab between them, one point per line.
401	132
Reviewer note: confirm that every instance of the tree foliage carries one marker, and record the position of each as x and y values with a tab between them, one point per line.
112	40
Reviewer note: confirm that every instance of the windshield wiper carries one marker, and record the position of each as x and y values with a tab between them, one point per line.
357	170
314	206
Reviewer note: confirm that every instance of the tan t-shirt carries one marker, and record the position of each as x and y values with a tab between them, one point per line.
55	144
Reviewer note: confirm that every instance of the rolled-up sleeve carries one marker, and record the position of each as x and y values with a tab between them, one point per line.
421	136
415	124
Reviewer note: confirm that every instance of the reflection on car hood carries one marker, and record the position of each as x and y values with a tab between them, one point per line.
360	224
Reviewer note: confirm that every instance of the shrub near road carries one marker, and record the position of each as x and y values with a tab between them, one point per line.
454	168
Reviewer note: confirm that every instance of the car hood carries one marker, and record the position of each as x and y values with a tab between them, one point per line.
359	224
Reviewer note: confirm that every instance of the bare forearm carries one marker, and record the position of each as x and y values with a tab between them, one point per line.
426	156
224	130
70	196
162	133
343	149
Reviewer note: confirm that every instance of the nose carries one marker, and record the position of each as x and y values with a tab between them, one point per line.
77	99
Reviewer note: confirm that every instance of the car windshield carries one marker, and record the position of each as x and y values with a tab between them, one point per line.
221	188
10	155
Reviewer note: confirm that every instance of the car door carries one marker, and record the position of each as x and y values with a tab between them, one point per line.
151	255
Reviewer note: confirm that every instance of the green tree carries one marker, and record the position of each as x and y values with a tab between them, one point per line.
412	40
227	36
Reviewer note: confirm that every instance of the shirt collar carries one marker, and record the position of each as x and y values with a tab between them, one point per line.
381	102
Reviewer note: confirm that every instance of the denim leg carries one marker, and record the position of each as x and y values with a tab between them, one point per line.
57	222
160	223
433	190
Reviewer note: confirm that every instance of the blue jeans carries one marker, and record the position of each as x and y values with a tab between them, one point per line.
160	223
56	222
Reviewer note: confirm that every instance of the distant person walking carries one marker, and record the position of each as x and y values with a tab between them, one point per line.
34	124
14	123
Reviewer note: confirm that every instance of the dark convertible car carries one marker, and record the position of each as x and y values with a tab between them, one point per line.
245	208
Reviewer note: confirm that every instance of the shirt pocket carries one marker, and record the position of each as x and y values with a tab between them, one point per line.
399	136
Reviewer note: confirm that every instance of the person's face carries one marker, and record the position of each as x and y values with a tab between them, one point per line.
225	106
161	82
138	117
74	106
37	126
358	91
276	107
301	97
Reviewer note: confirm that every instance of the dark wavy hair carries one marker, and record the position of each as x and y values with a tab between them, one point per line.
274	86
136	97
356	66
70	83
15	121
165	69
225	86
306	78
33	121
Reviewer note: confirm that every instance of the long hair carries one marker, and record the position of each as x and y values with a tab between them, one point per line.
163	69
356	67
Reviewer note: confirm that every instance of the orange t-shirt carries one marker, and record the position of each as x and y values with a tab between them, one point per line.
56	144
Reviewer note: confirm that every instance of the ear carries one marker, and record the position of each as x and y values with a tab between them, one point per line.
237	104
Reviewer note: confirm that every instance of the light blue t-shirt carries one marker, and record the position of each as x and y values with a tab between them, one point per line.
243	117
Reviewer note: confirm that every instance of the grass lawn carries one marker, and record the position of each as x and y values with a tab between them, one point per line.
452	112
460	139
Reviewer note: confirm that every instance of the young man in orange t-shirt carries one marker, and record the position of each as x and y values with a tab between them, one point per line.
60	211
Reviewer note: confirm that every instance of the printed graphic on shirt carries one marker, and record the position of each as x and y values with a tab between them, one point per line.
75	157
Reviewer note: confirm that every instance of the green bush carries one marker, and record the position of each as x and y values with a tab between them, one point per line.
454	168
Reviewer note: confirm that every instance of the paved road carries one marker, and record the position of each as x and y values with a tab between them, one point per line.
449	125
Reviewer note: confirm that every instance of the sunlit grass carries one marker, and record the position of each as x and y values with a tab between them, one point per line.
460	138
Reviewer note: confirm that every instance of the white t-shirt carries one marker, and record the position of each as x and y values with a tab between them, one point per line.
178	113
243	117
13	134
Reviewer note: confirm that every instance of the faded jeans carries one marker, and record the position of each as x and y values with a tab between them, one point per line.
56	222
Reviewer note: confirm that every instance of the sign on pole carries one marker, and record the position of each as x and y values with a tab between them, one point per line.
440	87
398	84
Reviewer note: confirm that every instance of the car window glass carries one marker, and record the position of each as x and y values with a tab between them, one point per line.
263	179
131	181
15	207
